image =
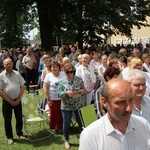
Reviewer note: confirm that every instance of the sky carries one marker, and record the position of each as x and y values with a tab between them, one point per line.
32	33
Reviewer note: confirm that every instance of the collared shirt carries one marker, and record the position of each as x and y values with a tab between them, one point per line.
145	108
10	85
101	135
29	60
146	67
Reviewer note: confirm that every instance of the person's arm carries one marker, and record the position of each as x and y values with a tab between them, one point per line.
40	68
43	75
6	98
20	95
62	91
100	75
93	78
83	90
21	92
25	63
17	65
46	91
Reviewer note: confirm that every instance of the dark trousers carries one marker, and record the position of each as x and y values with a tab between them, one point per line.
7	114
30	77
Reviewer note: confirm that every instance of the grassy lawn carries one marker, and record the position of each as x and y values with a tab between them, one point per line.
55	142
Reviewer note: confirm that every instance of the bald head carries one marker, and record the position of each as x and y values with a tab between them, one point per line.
115	87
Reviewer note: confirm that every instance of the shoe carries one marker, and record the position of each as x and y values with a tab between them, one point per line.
21	137
67	145
10	141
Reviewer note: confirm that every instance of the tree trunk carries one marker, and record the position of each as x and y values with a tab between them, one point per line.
46	24
80	29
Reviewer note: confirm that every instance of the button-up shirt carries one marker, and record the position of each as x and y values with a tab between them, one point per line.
11	84
145	108
101	135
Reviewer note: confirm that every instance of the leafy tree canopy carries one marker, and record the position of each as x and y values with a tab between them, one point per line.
90	21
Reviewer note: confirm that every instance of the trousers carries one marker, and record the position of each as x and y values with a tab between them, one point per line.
7	110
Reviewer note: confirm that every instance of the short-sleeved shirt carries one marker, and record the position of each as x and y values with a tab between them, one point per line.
10	85
52	81
29	60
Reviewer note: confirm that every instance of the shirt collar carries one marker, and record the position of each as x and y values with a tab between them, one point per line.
110	129
7	73
144	99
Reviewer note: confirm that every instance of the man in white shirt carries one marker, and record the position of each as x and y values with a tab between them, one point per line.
118	129
29	63
138	84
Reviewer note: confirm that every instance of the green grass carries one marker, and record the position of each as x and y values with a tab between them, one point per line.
55	142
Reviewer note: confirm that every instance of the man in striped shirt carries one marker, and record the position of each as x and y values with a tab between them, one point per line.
118	129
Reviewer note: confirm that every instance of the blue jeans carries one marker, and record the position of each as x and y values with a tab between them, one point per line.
67	114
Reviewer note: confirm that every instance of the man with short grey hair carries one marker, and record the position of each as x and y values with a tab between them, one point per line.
138	84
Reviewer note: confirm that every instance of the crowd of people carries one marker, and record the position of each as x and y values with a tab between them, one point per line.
70	77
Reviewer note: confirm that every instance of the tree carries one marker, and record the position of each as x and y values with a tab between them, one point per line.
93	21
101	19
89	21
16	22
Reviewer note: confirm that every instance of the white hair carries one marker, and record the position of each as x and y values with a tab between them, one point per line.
65	59
134	73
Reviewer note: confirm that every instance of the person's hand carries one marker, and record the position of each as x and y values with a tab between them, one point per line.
30	68
81	91
12	103
96	72
69	93
50	103
17	102
89	90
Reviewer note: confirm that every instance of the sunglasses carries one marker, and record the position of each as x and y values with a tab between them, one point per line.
71	72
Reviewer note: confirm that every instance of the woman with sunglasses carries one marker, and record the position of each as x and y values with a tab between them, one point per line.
70	90
51	92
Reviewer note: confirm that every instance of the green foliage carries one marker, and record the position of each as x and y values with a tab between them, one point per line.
17	20
90	21
93	21
112	17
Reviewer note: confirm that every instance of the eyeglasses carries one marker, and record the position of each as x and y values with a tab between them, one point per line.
71	72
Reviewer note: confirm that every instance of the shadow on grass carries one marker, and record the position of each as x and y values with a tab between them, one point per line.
53	139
